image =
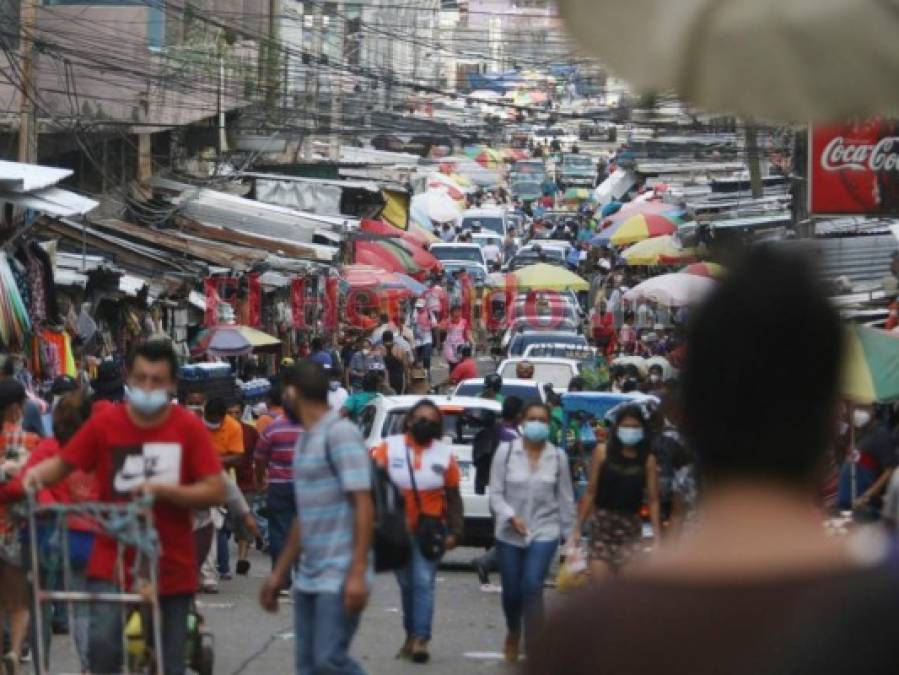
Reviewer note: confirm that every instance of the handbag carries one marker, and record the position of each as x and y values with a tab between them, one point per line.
430	532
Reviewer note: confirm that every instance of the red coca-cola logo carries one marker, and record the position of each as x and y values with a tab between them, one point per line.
840	155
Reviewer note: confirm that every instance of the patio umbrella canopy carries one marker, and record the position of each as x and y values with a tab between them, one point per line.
665	250
791	60
232	340
549	277
672	290
637	228
871	365
705	269
436	206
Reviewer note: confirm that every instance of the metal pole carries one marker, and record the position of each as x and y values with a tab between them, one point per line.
27	126
40	657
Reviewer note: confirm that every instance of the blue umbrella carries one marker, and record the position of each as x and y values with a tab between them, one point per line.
610	208
416	287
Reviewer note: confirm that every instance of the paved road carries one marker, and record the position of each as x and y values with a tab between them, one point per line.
468	629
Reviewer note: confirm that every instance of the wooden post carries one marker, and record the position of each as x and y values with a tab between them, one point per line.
27	123
144	158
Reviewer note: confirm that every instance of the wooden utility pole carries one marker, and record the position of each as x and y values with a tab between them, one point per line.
27	121
754	160
336	78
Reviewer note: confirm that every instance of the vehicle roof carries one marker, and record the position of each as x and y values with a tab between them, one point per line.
538	359
452	244
485	211
407	401
506	380
548	334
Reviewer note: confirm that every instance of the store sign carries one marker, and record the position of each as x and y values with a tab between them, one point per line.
854	168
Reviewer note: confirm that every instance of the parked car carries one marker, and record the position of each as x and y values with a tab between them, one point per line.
493	218
526	390
520	342
384	417
554	371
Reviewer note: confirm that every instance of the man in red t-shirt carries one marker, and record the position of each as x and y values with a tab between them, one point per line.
150	445
466	368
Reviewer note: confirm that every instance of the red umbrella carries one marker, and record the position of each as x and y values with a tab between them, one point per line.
422	257
360	277
388	230
377	254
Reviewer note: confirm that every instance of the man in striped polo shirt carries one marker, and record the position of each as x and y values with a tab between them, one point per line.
274	470
330	539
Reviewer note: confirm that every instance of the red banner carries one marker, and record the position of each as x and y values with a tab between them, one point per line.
854	168
298	302
219	290
254	301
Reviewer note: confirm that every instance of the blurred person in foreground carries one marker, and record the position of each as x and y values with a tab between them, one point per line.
727	597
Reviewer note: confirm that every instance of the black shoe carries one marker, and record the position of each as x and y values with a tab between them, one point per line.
480	569
243	567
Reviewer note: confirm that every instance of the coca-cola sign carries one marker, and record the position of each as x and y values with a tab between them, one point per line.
854	168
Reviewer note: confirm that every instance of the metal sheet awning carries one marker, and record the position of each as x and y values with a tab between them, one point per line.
19	177
52	201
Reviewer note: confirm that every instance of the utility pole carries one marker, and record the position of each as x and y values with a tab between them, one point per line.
27	121
753	159
337	82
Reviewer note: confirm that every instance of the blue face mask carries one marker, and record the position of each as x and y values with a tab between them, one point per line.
630	435
535	430
147	402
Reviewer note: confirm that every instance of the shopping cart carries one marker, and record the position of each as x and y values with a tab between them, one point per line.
131	526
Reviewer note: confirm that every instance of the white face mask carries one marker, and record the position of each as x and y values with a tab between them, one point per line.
860	418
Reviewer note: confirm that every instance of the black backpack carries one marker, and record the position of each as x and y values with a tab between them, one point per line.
391	542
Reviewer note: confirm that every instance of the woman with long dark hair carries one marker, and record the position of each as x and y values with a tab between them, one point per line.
622	472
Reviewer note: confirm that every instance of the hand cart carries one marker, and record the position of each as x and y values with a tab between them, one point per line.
131	525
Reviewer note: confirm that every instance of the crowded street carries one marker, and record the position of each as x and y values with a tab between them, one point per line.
551	337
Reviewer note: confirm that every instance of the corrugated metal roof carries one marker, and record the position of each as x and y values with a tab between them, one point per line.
773	219
19	177
52	201
863	258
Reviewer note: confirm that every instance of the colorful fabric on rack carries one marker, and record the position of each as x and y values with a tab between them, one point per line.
38	308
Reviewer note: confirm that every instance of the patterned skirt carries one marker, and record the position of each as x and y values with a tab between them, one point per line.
614	537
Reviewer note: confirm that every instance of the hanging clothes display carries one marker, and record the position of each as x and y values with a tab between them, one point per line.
56	354
14	321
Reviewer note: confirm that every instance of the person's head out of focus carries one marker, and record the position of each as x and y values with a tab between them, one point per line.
195	401
12	401
152	377
744	427
306	387
70	413
524	370
235	410
214	413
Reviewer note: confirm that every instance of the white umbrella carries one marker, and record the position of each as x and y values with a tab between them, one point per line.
795	60
436	205
674	290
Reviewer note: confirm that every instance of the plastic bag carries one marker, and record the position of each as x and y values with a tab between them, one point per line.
574	572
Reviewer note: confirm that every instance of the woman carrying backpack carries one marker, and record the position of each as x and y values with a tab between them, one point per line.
532	500
425	469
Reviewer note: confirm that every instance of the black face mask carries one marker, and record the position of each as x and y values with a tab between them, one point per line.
423	430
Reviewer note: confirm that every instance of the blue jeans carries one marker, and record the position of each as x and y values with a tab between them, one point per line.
282	507
106	626
324	631
417	581
522	571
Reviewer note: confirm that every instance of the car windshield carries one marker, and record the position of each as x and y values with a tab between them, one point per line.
556	374
578	162
526	187
525	392
556	253
471	253
455	425
488	223
519	342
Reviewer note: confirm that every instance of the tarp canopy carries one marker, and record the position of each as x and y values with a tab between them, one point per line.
871	365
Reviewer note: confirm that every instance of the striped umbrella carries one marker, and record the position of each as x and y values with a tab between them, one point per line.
486	157
871	365
665	250
639	227
705	269
382	254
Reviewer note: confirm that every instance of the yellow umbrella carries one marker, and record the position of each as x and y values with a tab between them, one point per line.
658	251
549	277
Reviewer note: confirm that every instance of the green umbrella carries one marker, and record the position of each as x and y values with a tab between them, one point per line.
871	365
